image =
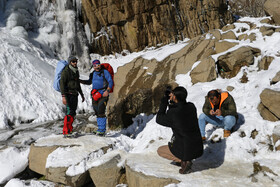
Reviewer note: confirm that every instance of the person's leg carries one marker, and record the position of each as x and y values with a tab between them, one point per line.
185	167
71	107
73	104
204	119
202	124
228	122
101	116
165	152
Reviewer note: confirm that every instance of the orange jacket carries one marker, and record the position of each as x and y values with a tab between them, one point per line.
224	95
227	105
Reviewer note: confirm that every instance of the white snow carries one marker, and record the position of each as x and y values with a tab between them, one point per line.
13	161
27	95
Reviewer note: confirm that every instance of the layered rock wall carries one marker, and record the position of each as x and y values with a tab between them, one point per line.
134	24
144	81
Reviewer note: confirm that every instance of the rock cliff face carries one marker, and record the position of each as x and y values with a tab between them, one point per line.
134	24
144	81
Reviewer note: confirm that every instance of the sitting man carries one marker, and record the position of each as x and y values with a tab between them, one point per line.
219	109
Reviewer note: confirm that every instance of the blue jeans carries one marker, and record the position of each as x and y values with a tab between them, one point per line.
226	122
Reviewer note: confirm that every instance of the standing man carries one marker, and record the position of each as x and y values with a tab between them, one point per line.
186	143
70	89
219	109
102	84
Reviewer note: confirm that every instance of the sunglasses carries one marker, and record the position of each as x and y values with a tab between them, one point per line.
75	61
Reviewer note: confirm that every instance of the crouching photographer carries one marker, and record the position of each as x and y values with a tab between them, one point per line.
186	143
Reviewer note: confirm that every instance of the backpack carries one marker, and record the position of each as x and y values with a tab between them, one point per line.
59	67
109	68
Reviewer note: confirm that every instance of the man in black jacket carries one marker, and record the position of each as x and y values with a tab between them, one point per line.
186	143
70	89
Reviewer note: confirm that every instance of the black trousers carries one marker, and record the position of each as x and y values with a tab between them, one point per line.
71	104
99	107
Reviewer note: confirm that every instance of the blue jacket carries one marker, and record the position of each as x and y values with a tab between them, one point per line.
100	80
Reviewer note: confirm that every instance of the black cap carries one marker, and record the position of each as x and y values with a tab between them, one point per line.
72	58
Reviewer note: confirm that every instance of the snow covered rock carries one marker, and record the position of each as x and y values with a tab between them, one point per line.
67	161
58	175
138	179
276	78
107	174
222	46
205	71
230	63
229	35
269	107
38	157
135	85
265	62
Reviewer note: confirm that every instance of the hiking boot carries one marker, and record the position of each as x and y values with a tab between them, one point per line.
185	167
98	133
203	139
226	133
67	135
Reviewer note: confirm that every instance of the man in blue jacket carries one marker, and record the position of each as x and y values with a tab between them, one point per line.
102	84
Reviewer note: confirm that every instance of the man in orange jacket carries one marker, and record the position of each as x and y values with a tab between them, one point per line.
219	109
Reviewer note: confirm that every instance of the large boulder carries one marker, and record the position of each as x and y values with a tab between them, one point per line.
107	174
229	35
271	8
222	46
138	179
230	63
144	81
38	157
276	78
205	71
269	107
136	24
53	157
58	175
265	62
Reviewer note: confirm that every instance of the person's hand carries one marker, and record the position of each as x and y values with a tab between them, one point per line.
83	98
218	112
64	100
212	113
105	94
167	91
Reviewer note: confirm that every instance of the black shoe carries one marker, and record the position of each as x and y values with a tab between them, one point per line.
185	167
67	136
175	163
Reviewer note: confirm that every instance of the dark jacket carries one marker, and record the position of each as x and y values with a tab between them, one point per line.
227	105
69	82
186	143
